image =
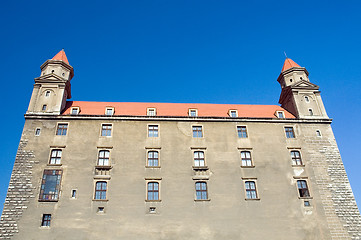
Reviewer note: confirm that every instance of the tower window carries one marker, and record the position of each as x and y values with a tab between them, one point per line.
291	80
242	131
45	222
296	158
246	160
55	157
153	131
47	93
44	107
318	133
302	188
197	131
153	191
310	112
103	158
37	132
50	185
251	192
100	190
62	129
307	99
201	191
106	130
153	159
289	132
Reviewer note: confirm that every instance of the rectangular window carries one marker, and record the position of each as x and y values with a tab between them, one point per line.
233	113
280	114
44	107
103	158
246	160
193	112
62	129
199	159
109	111
106	129
289	132
153	131
151	112
197	131
45	222
50	185
251	192
201	191
296	158
37	132
100	190
55	157
310	112
153	191
242	131
153	159
302	188
74	110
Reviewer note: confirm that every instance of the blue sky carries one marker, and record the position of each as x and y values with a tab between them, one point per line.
184	51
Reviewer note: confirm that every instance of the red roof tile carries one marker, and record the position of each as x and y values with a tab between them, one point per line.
289	63
176	109
61	56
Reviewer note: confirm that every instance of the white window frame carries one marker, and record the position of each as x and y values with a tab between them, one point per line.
280	112
190	110
151	111
77	110
111	109
233	110
150	124
111	130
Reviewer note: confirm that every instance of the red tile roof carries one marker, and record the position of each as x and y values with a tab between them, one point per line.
289	63
61	56
176	109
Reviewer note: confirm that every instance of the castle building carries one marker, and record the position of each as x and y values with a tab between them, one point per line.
119	170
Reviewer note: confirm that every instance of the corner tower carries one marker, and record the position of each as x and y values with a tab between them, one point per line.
299	96
53	87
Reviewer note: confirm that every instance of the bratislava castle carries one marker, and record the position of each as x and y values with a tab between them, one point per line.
164	171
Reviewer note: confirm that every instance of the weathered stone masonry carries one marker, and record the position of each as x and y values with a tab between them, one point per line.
20	191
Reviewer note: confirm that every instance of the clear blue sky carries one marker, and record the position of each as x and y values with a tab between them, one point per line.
200	51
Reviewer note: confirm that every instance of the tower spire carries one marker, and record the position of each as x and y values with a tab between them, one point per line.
61	56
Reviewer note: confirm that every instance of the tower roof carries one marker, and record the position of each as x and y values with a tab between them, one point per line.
289	63
61	56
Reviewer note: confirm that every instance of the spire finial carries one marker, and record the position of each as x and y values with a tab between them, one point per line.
285	54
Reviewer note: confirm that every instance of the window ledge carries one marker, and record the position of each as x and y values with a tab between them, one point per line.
248	166
202	200
102	177
252	199
302	165
55	165
200	167
152	166
305	197
100	200
153	200
103	167
48	200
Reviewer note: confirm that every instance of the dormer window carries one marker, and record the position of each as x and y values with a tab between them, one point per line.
233	113
193	112
109	111
75	110
280	114
151	111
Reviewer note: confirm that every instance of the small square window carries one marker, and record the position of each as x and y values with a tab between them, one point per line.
106	130
233	113
75	111
193	112
45	222
100	209
197	131
152	210
109	111
242	131
37	132
151	112
289	132
152	130
307	203
310	112
62	129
